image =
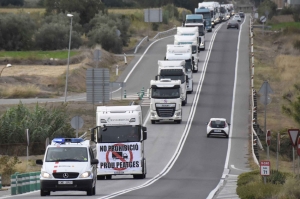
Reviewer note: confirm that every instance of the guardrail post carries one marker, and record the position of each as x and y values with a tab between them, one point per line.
19	183
124	93
27	182
32	181
13	184
23	182
38	182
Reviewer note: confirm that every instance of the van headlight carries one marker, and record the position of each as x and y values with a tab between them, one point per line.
85	174
45	174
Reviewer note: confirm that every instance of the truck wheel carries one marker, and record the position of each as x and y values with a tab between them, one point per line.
178	121
44	193
100	177
152	121
139	176
108	177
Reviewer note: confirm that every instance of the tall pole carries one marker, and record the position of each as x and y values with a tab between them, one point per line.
265	127
67	73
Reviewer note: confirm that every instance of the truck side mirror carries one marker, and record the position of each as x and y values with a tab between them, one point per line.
165	58
156	77
92	135
144	129
187	78
39	162
149	93
95	161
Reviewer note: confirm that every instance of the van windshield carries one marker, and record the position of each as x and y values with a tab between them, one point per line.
67	154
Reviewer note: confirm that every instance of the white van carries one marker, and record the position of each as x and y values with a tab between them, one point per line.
69	164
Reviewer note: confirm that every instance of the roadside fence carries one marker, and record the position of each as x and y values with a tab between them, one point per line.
25	182
255	141
158	35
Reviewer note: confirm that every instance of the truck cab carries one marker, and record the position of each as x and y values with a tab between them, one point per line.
196	20
189	31
174	70
190	40
179	53
119	137
206	15
165	102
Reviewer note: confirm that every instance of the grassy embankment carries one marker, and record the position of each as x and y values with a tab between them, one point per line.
277	61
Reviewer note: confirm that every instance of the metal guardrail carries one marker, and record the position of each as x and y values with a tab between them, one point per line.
25	182
158	35
255	141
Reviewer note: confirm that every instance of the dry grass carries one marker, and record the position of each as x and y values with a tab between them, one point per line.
19	10
19	91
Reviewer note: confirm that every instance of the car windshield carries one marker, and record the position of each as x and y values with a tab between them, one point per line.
67	154
218	124
165	93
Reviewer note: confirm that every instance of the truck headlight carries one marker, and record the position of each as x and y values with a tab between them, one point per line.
45	174
85	174
152	114
178	114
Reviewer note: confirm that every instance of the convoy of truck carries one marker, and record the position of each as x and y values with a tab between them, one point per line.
119	135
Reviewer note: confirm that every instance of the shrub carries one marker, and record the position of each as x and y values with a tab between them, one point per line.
286	10
7	167
155	26
290	189
258	190
165	17
297	44
277	177
248	177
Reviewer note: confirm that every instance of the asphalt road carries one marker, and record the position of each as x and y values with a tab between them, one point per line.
181	161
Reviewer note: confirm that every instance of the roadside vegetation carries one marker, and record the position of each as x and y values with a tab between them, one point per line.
277	58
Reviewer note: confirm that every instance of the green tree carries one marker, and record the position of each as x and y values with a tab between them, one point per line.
55	30
269	6
103	30
12	2
42	122
16	31
87	9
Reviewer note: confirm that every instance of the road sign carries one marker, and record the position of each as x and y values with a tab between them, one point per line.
264	91
263	100
263	19
153	15
268	138
265	167
298	146
77	122
293	133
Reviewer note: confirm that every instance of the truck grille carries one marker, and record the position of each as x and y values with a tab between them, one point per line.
165	111
65	175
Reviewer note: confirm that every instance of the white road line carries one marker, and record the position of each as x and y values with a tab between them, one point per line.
213	192
184	136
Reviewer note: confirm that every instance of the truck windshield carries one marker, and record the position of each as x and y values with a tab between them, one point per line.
206	15
165	93
117	134
173	77
67	154
194	49
194	21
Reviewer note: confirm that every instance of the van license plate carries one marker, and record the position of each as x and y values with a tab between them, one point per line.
65	182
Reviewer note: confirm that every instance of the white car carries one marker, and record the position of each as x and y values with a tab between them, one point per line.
237	17
218	126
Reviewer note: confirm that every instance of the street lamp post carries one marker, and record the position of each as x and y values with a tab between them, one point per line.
7	66
67	73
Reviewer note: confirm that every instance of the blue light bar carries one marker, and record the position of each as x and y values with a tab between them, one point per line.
64	140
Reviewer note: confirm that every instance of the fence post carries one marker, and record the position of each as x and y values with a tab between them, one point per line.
32	181
13	184
23	182
27	182
19	183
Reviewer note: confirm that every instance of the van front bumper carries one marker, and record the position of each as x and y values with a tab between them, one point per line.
55	185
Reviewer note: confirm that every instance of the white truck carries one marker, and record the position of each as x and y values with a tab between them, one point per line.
165	103
174	70
119	137
197	20
183	52
189	31
189	40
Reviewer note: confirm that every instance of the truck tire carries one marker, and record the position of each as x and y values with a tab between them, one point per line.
177	121
108	177
100	177
152	121
44	193
184	102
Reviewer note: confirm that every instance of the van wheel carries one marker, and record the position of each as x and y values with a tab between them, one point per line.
94	190
108	177
89	192
100	177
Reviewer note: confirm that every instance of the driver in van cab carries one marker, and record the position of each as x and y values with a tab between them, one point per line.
81	155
